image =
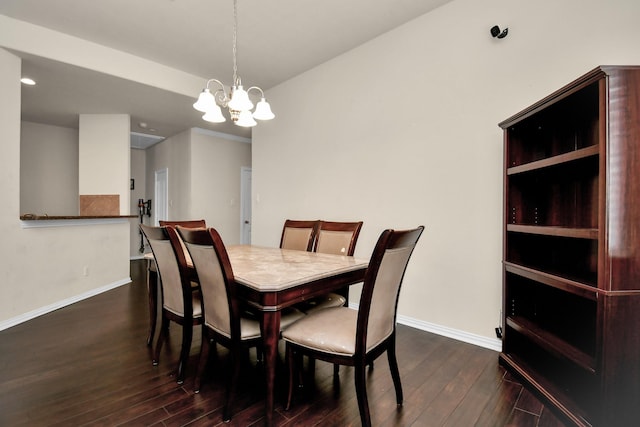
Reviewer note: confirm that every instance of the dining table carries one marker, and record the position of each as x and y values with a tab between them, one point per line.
272	279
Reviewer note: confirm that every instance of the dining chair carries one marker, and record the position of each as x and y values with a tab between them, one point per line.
299	235
152	276
336	238
224	322
179	302
355	338
190	223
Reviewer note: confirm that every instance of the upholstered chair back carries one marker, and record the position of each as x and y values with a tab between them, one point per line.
167	267
337	238
299	235
381	287
212	263
190	223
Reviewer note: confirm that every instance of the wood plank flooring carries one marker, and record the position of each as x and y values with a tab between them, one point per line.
88	365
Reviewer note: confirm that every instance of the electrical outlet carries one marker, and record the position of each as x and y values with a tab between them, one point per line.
85	271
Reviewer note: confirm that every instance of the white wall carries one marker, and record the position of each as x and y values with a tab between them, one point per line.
216	163
25	37
49	175
104	162
138	174
174	154
403	131
45	268
48	170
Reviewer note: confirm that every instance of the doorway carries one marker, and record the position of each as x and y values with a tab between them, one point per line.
245	206
161	196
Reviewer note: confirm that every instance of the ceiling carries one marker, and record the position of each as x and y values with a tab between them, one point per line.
277	40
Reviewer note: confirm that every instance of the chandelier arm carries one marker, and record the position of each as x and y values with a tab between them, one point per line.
220	94
256	88
215	80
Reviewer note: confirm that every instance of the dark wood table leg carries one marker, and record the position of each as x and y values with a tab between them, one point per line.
270	334
152	289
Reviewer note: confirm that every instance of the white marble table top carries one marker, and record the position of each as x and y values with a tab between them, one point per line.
273	269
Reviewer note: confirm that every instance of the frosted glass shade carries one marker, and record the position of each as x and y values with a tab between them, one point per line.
214	115
245	119
205	101
263	111
240	100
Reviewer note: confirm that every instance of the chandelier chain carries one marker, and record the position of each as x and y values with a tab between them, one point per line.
235	42
236	100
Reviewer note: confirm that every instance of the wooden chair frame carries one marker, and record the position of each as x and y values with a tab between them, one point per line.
354	228
389	240
187	321
190	223
152	277
210	337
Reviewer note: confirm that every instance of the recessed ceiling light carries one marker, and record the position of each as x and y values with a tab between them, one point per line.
27	81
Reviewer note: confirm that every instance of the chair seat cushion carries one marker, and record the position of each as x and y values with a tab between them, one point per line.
250	325
289	316
319	303
331	330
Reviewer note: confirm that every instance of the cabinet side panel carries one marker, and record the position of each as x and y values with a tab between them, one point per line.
623	181
620	360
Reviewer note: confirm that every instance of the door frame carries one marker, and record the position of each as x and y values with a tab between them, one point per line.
245	205
161	195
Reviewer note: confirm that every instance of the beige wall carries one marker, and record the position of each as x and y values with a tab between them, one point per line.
48	170
215	188
403	131
204	178
398	132
45	268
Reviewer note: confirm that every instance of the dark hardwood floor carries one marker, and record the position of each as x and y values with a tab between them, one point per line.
88	365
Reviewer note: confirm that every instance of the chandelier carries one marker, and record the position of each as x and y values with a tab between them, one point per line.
236	99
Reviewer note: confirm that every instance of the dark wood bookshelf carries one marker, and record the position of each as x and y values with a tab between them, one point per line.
571	280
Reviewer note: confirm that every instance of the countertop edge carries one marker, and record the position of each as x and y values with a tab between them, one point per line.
32	217
34	221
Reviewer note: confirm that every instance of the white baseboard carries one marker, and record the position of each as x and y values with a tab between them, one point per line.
55	306
456	334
